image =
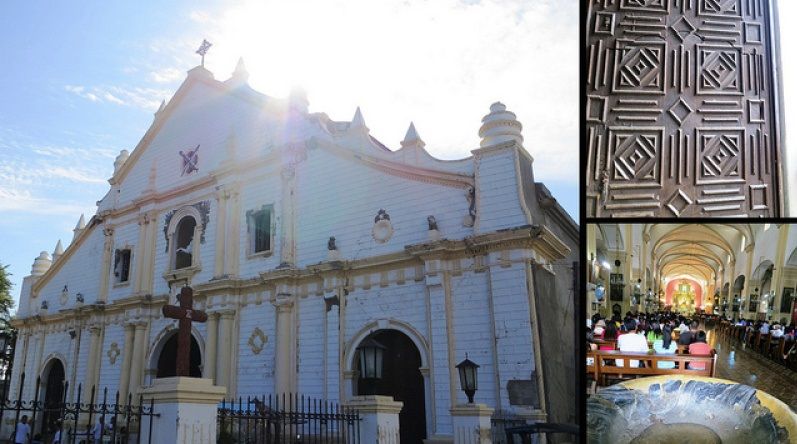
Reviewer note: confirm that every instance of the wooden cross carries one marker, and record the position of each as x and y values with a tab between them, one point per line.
185	314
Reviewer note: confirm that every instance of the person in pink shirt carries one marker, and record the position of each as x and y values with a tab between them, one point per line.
699	348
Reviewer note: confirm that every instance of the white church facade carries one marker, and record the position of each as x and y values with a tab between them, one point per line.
301	238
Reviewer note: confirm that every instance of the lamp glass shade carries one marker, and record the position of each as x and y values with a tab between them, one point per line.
468	380
371	354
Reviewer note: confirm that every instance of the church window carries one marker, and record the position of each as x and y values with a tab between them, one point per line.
121	265
258	224
184	240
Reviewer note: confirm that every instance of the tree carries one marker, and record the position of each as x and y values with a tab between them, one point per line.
6	301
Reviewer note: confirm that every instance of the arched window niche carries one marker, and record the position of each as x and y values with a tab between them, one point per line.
183	237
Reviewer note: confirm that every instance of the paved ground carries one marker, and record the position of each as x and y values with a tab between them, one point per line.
738	364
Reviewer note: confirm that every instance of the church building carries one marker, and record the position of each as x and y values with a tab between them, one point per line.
304	238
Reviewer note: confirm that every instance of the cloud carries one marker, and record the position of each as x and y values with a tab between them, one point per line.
139	97
166	75
437	63
25	202
199	16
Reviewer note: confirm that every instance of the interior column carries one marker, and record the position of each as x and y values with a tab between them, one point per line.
777	273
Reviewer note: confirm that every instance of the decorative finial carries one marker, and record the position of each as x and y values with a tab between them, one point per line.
500	126
412	138
357	121
203	49
240	76
297	100
120	160
59	250
81	224
41	264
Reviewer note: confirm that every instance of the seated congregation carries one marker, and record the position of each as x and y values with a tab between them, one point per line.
646	345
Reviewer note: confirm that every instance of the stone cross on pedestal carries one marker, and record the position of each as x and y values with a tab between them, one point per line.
185	314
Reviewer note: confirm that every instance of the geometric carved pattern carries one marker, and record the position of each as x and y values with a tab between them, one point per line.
680	117
720	155
635	154
639	68
719	70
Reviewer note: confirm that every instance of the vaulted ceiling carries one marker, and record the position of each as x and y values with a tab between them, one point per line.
697	251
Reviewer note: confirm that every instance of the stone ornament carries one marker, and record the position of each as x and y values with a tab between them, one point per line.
190	161
332	254
383	229
113	353
470	195
257	341
64	295
434	231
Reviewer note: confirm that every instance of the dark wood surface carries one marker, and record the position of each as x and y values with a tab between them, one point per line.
681	110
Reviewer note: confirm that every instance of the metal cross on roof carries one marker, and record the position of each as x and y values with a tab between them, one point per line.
203	49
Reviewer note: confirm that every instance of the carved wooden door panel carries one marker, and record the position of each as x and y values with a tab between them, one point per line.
681	109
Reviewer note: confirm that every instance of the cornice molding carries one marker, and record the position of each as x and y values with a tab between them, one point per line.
419	174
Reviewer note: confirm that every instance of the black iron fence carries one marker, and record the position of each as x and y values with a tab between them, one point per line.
287	418
78	422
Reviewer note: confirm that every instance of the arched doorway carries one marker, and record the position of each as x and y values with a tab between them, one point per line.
401	379
53	379
167	360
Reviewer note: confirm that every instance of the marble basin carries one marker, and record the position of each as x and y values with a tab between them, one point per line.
692	409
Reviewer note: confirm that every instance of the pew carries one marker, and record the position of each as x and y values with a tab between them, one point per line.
602	365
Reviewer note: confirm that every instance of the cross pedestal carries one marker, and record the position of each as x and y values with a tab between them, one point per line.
187	408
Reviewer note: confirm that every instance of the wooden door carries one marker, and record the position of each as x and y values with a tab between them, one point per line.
681	109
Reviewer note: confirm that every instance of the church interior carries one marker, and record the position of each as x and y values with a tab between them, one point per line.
708	313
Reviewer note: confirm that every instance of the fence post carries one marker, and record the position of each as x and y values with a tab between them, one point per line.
188	408
472	424
380	418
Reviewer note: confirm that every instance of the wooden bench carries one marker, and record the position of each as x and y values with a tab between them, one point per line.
603	365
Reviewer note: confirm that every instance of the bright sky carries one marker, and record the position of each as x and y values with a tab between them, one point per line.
80	81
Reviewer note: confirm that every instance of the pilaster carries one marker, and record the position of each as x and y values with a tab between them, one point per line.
105	268
139	271
138	364
223	367
92	365
292	155
285	377
220	240
127	358
233	230
210	347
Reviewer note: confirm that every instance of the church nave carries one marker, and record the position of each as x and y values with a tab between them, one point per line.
691	332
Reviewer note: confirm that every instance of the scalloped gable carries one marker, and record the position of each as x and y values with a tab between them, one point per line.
84	253
225	121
